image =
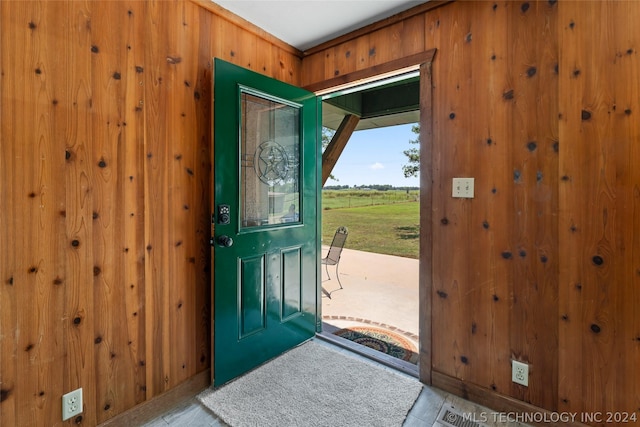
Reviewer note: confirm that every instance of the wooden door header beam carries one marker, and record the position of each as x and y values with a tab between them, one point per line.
376	72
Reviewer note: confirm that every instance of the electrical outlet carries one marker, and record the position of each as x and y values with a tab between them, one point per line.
71	404
463	187
520	373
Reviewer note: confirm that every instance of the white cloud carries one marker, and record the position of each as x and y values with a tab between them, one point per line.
376	166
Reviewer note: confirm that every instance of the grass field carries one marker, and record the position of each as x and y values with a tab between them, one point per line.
333	199
391	228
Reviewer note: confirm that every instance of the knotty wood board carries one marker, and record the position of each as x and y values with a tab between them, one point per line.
105	172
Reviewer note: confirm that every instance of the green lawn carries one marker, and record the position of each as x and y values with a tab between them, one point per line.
333	199
391	229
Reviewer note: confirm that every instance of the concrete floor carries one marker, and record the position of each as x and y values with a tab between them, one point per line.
377	289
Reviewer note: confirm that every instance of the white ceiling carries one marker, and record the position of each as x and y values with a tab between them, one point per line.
307	23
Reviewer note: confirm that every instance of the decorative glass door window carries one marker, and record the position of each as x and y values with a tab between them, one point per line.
270	161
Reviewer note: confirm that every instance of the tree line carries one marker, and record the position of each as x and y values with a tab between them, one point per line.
378	187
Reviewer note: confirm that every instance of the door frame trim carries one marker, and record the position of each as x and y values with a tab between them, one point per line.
426	232
420	61
375	72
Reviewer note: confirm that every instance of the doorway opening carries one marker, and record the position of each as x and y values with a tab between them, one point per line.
370	298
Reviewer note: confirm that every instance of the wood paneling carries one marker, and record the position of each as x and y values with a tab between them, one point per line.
360	33
536	100
598	224
105	195
105	172
492	218
452	143
532	58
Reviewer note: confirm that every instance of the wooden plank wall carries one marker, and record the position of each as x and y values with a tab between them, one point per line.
599	213
105	171
536	100
494	119
105	195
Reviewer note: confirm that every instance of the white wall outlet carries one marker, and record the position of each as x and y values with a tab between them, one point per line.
71	404
463	187
520	373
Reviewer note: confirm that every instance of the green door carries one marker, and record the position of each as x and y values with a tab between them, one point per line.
265	220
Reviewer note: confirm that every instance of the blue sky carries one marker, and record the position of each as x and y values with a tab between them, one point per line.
375	156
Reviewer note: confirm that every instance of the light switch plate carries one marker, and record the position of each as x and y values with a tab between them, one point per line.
463	187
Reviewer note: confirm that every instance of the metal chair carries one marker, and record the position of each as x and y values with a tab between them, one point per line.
333	256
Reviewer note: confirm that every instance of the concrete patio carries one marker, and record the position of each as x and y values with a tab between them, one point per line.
379	290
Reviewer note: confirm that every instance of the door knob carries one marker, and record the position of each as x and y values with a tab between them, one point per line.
225	241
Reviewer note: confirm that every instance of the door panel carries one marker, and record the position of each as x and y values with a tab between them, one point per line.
291	282
251	291
265	225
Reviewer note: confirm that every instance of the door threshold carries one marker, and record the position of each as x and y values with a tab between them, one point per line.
384	359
